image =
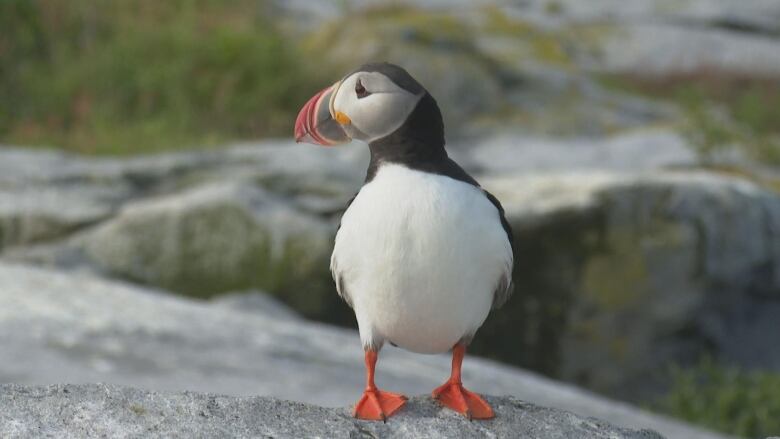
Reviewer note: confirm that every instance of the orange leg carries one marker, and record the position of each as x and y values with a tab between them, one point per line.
375	404
453	395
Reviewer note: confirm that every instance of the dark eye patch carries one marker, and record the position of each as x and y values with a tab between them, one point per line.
360	91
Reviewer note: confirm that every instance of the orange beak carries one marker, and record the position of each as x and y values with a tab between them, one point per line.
315	124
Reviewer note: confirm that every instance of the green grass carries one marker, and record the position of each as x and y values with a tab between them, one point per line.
720	111
142	75
725	399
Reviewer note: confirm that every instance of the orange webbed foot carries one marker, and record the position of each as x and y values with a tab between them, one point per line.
469	404
377	405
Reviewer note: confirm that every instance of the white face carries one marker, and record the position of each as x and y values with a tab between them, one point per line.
374	104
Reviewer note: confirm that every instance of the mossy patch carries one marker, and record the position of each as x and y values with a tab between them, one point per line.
498	22
220	247
619	275
26	229
550	50
721	111
768	182
430	27
734	401
382	27
544	46
553	7
613	280
529	330
641	259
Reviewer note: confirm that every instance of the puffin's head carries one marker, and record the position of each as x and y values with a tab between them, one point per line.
370	103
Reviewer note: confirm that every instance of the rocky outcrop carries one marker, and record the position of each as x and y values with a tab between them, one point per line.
622	268
66	327
35	206
255	301
657	38
509	153
634	272
510	72
539	64
658	50
198	224
109	411
759	16
628	258
214	238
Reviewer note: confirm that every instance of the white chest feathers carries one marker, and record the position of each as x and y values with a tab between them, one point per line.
419	257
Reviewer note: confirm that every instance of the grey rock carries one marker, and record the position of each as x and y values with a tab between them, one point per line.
536	65
254	301
66	327
101	410
483	75
294	189
313	14
41	213
633	151
35	166
658	50
543	98
651	269
758	16
45	195
315	179
279	166
200	223
210	222
213	238
656	37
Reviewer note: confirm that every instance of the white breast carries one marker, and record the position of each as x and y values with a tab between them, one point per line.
419	256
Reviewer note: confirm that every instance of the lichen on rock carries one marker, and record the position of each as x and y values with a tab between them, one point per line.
101	410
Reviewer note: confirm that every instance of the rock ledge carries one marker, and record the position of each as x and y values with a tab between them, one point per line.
100	410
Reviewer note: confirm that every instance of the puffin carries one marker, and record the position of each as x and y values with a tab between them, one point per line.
423	253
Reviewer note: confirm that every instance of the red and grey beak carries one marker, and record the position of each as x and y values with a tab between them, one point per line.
315	123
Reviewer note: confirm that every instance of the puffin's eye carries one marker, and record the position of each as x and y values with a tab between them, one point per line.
360	91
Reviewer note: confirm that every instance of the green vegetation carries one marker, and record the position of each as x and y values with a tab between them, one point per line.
383	31
141	75
544	45
726	399
721	111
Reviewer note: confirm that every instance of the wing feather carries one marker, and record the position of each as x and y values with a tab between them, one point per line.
505	284
337	275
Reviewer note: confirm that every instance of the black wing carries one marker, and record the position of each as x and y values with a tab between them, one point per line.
334	269
505	285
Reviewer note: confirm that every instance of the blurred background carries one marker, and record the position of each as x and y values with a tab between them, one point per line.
147	153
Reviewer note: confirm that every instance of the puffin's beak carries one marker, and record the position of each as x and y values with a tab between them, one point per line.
315	123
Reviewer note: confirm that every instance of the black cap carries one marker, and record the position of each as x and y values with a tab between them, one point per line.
397	74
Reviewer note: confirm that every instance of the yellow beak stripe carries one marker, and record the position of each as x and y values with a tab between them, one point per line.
342	118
